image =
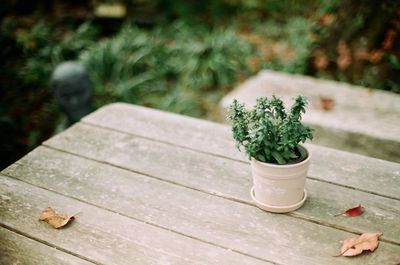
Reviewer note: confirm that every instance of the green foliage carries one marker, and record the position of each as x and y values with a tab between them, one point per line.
45	47
268	133
201	50
207	59
168	67
219	10
295	35
124	67
28	115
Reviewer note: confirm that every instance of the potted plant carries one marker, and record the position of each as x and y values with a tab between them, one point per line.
271	138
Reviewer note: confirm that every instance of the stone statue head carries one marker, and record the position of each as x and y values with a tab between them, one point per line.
72	90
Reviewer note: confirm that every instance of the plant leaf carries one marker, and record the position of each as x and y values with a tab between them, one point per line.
261	158
303	153
353	212
278	158
356	245
55	220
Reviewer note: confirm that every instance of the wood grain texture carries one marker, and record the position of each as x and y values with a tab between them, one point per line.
224	177
103	236
17	249
233	225
360	172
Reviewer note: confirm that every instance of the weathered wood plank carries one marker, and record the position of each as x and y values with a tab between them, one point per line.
17	249
169	127
359	172
233	225
103	236
224	177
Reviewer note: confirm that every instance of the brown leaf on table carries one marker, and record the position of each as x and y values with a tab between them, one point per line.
356	245
55	220
327	103
353	212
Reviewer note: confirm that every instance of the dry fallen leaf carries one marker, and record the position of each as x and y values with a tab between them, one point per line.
55	220
361	54
326	20
321	60
355	211
355	246
345	58
376	56
389	40
327	103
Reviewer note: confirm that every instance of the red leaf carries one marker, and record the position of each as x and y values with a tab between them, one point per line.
355	211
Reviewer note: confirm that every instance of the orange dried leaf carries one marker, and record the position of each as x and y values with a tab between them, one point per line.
326	20
355	211
361	54
345	58
53	219
355	246
327	103
320	60
389	40
376	56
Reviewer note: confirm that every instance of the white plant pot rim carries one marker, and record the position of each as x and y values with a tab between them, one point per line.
285	166
278	209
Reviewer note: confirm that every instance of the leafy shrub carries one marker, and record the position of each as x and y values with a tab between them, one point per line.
168	67
295	36
208	59
28	115
125	67
45	47
268	133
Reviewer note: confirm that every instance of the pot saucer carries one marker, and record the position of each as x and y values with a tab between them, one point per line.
278	209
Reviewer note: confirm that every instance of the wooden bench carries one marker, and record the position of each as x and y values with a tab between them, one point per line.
359	120
159	188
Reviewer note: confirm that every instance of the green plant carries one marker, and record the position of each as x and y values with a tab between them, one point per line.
126	67
206	59
45	46
174	67
268	133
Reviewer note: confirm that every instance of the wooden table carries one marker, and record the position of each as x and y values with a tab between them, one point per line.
158	188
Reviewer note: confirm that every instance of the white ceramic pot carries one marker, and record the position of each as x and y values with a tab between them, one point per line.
279	188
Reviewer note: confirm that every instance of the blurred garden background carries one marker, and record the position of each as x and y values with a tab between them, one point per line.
183	55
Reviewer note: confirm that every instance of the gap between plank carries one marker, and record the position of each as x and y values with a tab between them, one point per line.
121	214
48	243
291	214
229	158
